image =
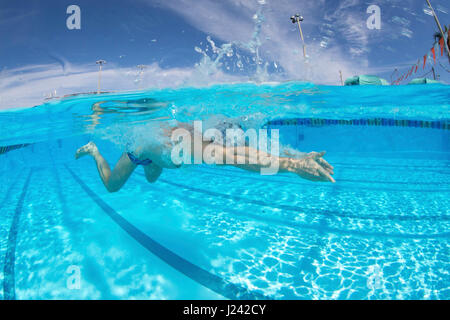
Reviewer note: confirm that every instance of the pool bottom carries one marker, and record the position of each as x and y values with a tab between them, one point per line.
380	232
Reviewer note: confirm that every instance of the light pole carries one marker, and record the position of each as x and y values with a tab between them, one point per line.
440	28
297	18
393	73
342	80
100	63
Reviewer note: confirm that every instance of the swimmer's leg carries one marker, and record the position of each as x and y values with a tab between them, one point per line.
152	172
113	180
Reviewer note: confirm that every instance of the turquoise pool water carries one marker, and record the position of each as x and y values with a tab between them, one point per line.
204	232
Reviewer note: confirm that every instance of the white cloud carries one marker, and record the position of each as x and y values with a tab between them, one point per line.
30	85
232	21
229	21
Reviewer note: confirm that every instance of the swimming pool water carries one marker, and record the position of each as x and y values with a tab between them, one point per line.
203	232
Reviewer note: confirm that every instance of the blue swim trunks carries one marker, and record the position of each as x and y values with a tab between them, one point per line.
138	162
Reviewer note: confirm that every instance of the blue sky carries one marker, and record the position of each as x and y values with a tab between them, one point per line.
39	55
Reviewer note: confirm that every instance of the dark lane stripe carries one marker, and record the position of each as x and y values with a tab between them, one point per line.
324	212
9	291
357	188
9	191
286	180
203	277
396	166
297	209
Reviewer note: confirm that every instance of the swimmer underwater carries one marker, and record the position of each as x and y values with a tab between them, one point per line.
311	167
153	156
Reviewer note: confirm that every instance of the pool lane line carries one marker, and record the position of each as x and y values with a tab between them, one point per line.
366	167
363	122
321	228
5	149
411	166
194	272
328	213
336	168
92	270
241	173
340	167
9	291
9	191
316	184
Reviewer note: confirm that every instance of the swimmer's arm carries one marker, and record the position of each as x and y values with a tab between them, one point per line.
312	167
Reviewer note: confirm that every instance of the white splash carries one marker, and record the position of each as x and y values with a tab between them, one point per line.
212	63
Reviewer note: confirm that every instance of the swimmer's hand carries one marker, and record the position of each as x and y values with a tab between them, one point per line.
312	167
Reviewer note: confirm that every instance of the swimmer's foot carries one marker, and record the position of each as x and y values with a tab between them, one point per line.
89	148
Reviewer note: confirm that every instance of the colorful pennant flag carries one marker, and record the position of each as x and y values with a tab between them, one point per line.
409	72
441	44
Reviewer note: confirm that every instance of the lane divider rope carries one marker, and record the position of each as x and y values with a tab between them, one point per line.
383	122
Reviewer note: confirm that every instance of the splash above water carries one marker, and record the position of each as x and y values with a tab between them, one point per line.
237	56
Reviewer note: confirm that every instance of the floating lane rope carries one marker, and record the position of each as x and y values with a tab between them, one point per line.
381	122
201	276
5	149
9	291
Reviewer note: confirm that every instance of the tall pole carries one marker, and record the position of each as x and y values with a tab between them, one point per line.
395	72
99	79
303	40
297	19
342	80
434	74
440	28
100	63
